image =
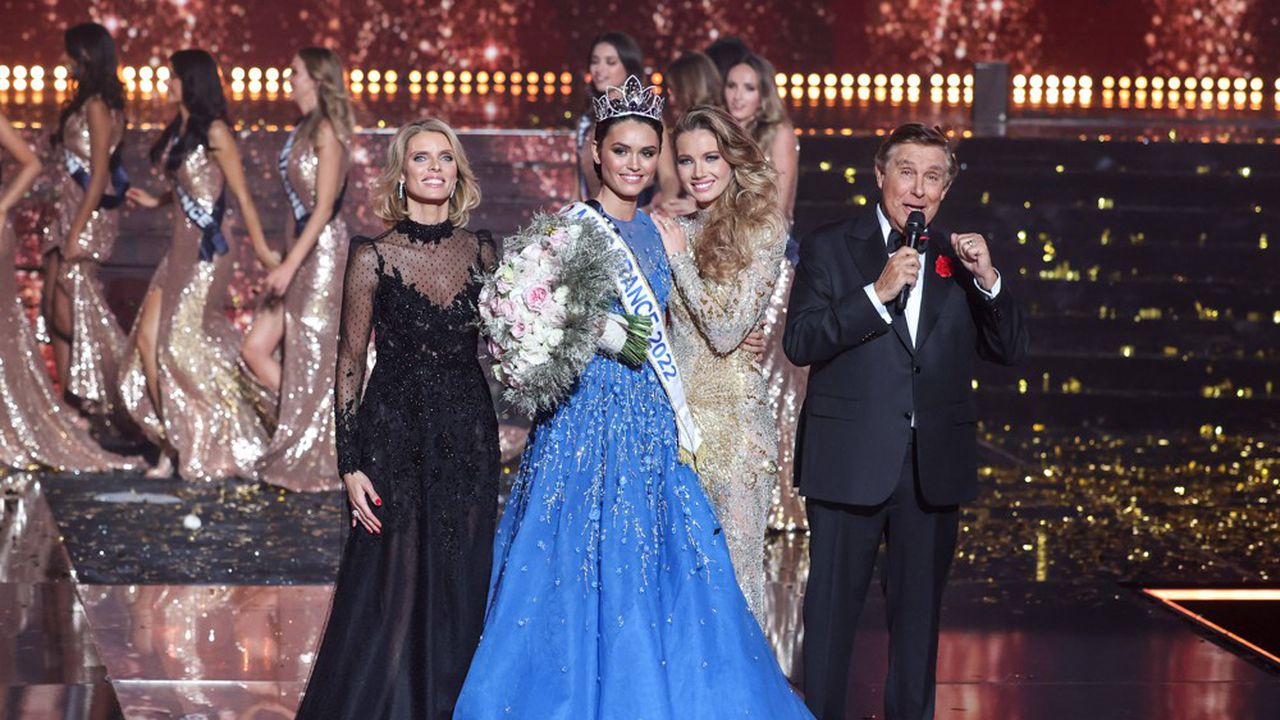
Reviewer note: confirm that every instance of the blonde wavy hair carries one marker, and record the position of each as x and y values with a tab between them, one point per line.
332	101
771	113
387	204
747	212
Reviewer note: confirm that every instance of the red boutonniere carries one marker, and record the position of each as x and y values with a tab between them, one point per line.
942	266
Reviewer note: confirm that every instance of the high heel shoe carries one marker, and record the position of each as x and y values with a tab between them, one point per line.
162	470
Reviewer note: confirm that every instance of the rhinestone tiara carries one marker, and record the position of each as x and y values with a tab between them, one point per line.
632	98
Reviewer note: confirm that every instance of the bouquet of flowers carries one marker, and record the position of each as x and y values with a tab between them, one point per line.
545	310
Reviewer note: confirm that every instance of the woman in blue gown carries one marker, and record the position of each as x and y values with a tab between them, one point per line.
612	593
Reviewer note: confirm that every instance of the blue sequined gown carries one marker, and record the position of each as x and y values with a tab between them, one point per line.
612	593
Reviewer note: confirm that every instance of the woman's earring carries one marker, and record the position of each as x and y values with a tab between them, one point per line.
400	191
454	191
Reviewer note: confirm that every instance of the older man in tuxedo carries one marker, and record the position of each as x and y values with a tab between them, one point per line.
887	448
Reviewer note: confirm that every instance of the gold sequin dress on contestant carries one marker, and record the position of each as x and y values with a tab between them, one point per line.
301	453
96	341
787	385
210	412
727	393
36	429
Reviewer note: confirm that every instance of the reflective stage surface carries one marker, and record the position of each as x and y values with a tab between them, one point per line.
1080	645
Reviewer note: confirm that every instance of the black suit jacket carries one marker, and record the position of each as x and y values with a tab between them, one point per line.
867	381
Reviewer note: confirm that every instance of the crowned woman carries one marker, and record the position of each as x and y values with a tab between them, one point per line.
612	593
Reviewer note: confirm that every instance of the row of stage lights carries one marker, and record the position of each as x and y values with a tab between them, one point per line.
953	88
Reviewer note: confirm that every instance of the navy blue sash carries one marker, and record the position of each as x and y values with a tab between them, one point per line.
300	213
80	173
212	241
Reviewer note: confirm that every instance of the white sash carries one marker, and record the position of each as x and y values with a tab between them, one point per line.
638	299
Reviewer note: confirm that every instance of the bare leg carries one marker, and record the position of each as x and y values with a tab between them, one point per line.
55	305
260	343
147	341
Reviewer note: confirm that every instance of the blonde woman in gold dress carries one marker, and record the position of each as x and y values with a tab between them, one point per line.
36	429
752	98
304	294
182	381
724	275
85	337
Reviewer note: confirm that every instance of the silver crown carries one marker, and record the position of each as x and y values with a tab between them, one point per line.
630	99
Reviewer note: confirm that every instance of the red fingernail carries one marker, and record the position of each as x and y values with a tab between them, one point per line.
377	501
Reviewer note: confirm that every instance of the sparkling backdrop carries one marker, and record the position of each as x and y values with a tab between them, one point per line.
1219	36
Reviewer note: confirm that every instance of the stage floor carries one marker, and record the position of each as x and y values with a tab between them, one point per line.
110	605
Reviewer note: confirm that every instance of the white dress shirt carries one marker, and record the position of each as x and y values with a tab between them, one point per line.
916	298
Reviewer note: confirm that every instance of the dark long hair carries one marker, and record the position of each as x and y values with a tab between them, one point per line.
628	52
94	65
201	96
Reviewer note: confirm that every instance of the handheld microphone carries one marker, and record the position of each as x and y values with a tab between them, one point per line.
914	232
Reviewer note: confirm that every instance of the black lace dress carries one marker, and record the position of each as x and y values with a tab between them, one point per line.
409	603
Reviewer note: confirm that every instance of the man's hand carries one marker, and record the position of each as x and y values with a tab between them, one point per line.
975	256
902	270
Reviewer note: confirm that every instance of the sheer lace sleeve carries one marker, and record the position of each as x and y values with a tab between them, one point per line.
725	312
359	284
488	251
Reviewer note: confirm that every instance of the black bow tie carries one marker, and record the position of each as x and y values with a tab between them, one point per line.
897	240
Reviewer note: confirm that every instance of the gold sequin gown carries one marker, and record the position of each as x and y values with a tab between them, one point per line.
211	412
301	454
727	393
96	340
36	429
787	385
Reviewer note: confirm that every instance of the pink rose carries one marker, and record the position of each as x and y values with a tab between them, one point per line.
518	330
495	350
536	296
507	310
